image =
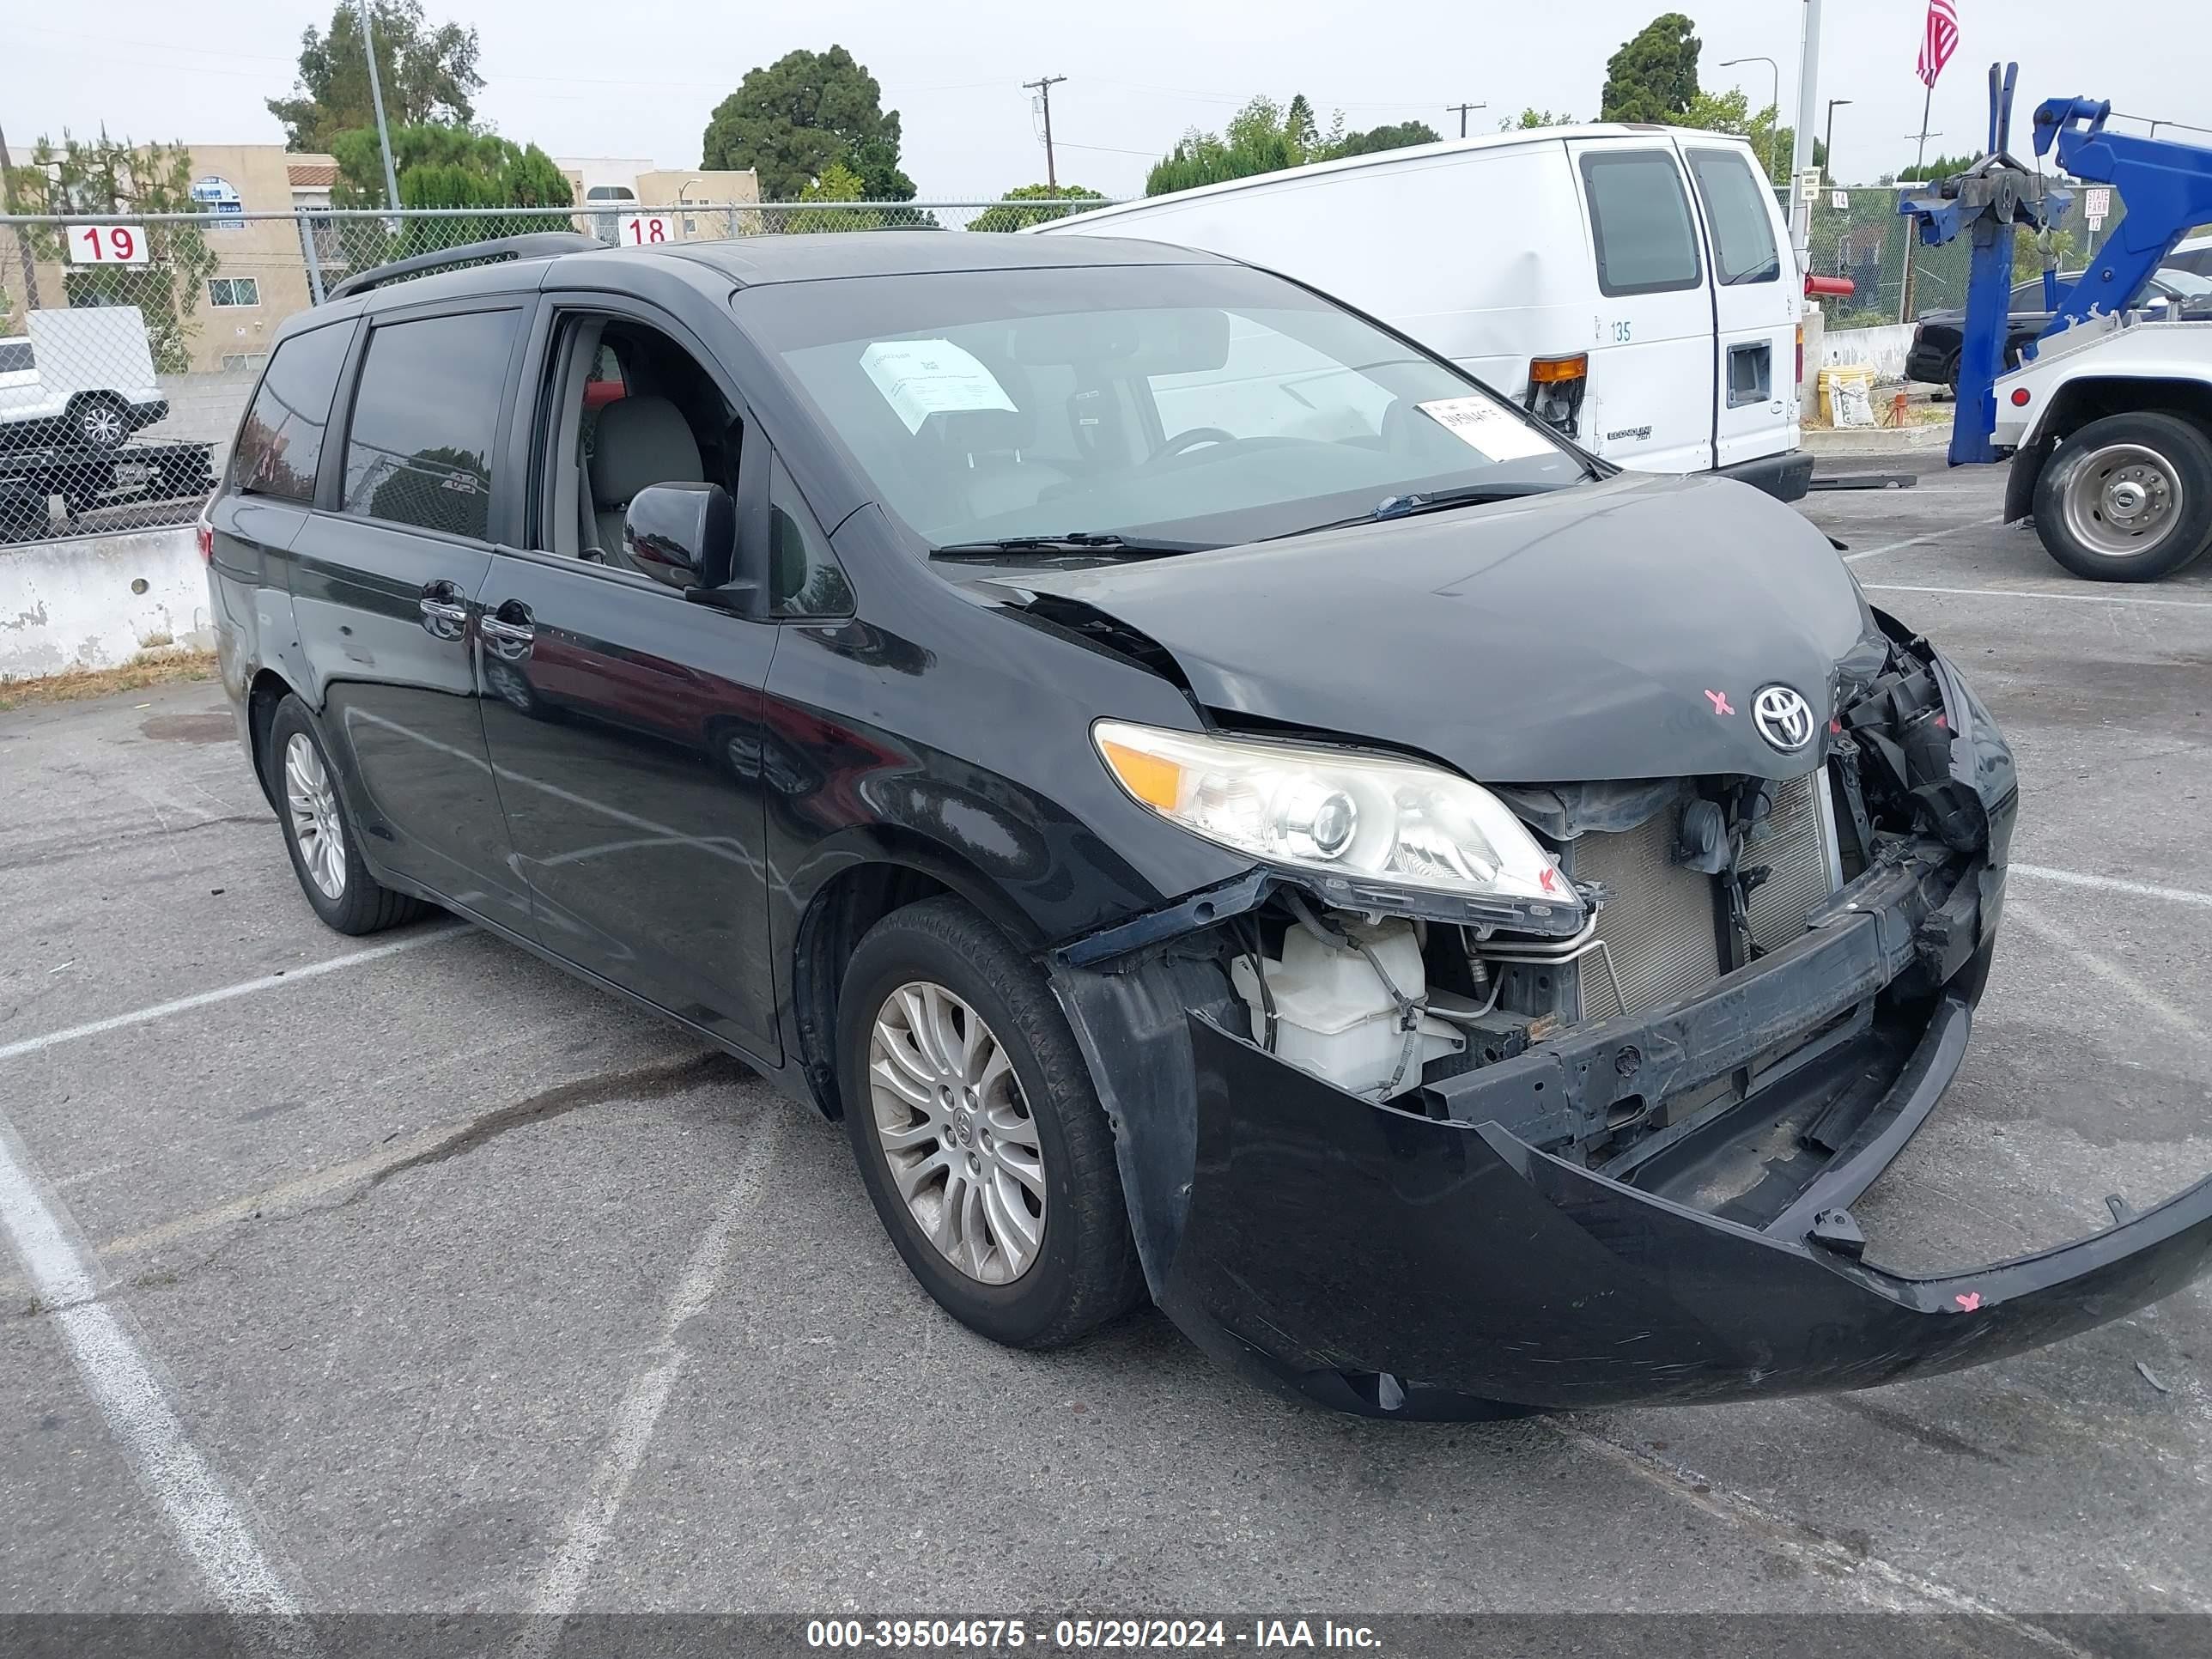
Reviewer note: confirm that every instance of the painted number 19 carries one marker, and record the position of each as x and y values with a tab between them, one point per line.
107	245
641	228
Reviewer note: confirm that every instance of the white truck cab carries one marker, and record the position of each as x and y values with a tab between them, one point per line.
2109	429
1633	284
84	375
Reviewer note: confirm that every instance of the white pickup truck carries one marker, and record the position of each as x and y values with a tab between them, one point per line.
80	376
2111	433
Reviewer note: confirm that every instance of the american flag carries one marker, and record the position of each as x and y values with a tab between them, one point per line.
1939	40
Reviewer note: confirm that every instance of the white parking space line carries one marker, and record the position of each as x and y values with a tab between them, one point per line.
244	988
2064	939
2112	885
637	1415
210	1529
1948	530
2033	593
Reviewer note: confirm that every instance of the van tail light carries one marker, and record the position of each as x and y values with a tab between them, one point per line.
1800	355
204	533
1555	390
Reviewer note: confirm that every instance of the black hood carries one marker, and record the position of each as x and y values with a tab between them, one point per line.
1612	630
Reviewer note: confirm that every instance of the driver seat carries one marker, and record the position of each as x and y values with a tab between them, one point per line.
640	442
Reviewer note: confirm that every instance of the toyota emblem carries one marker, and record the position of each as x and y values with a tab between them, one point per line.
1784	719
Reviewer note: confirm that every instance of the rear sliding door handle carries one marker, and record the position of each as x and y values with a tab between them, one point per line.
507	638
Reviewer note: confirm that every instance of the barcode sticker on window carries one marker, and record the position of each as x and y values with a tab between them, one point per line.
922	378
1481	425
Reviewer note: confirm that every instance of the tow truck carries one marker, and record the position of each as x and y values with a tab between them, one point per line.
2107	421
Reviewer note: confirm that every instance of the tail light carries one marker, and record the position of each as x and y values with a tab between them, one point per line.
204	533
1555	390
1800	355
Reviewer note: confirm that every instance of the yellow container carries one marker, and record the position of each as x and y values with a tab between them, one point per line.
1847	395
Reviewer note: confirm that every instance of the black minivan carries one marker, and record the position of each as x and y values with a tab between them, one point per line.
1221	804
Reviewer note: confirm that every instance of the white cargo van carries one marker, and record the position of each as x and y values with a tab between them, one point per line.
1631	285
83	375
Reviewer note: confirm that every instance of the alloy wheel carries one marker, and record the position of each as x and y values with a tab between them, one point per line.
100	425
2121	500
317	827
956	1133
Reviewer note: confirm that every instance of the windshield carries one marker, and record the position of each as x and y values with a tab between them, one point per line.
1202	404
2184	284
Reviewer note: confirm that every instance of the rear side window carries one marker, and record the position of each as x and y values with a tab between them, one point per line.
1640	220
425	414
280	442
15	356
1736	208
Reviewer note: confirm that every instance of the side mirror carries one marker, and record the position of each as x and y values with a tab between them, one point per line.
683	534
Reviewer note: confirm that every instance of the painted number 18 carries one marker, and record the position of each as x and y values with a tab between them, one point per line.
107	245
639	230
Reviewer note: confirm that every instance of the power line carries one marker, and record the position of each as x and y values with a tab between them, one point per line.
1043	87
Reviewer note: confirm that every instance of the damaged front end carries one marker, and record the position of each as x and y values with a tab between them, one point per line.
1405	1160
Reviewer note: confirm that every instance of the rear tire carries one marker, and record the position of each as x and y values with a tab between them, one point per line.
320	832
2127	499
101	422
940	965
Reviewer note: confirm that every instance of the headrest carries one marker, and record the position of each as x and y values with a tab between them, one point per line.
641	441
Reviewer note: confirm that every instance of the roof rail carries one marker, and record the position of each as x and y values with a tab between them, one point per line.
536	245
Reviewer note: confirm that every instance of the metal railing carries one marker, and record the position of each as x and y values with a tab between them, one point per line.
129	345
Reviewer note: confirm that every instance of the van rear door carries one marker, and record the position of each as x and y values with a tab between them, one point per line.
1755	310
1650	404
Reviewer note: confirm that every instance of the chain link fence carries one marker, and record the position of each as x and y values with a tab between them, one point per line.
1857	232
128	347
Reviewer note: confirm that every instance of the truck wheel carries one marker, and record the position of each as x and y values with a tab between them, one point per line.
978	1132
101	421
2127	499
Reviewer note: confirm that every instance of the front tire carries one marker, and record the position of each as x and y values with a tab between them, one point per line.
101	422
978	1132
321	834
2127	499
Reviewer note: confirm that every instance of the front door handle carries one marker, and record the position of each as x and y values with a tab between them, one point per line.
445	611
508	631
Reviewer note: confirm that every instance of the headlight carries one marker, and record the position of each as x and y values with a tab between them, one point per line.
1353	816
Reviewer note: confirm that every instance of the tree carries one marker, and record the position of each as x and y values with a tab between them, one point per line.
1298	124
1257	139
1532	118
1941	167
1006	218
110	178
441	167
1653	76
1378	138
1730	112
838	183
792	120
429	76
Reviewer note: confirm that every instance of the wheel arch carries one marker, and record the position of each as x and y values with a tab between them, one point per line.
264	692
850	887
2091	397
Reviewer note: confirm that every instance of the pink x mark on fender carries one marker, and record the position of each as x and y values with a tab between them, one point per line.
1972	1300
1720	702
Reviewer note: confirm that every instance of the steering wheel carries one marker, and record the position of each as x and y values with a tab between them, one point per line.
1183	442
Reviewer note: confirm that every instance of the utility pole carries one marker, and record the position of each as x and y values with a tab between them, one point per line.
22	234
1828	139
1808	107
1043	87
376	97
1463	109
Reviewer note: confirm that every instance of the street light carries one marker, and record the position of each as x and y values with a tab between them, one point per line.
1774	70
1828	139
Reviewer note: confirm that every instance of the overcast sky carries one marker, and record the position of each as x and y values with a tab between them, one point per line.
583	77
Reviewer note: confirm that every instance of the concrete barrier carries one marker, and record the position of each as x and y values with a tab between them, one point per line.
1882	349
98	601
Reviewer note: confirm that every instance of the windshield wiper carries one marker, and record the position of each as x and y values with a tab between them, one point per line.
1075	541
1430	501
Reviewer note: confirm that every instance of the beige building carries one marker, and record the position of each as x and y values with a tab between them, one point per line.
612	185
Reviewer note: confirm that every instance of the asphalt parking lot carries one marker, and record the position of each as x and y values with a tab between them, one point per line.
458	1287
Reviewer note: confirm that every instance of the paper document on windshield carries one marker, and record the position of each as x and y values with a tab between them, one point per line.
1481	425
922	378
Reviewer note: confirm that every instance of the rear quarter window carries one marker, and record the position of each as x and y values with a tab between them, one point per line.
280	442
1640	222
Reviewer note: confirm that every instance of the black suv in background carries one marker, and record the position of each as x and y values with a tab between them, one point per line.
1220	804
